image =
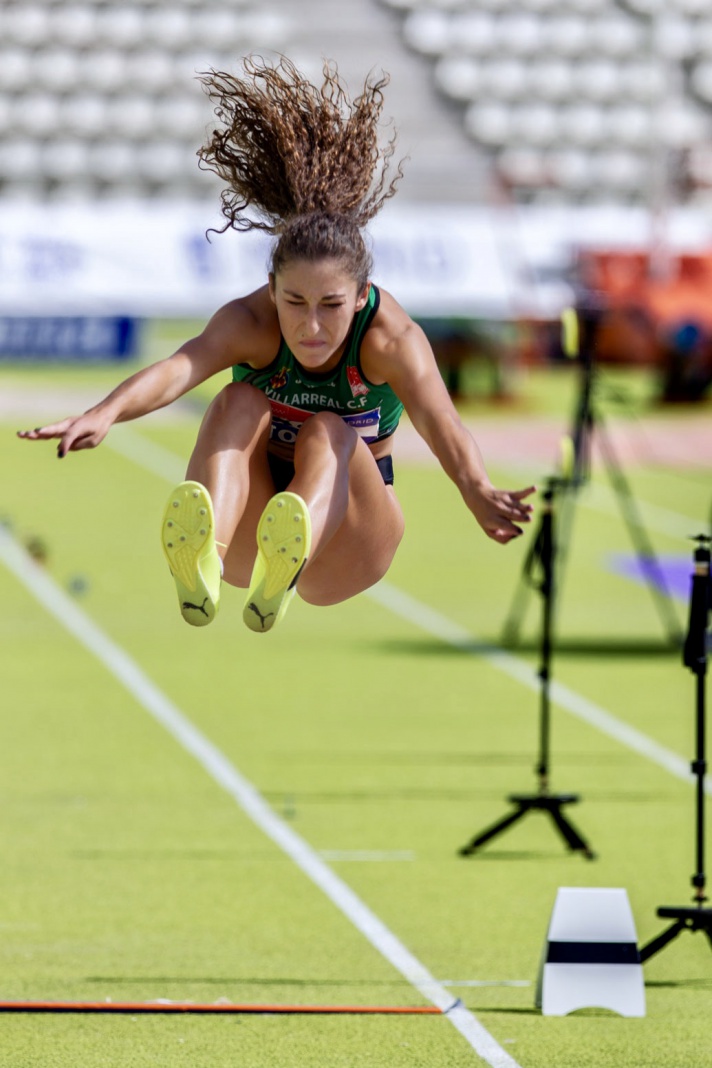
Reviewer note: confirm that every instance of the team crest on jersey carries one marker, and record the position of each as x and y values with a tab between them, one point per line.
357	384
280	379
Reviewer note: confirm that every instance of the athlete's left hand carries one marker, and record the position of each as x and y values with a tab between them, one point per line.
499	512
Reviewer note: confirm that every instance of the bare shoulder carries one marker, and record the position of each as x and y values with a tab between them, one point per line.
244	330
392	339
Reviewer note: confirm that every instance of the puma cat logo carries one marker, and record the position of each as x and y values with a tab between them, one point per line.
197	607
253	608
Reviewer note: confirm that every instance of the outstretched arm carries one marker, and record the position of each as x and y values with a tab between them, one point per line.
229	334
412	371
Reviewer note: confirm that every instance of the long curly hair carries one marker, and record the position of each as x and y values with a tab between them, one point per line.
301	162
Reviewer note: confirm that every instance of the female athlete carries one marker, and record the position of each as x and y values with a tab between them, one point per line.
290	485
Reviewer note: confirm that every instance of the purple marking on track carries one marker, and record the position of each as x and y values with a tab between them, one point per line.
676	572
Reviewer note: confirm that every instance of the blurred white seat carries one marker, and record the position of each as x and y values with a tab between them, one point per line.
73	24
40	113
680	124
215	27
112	160
674	37
65	160
619	170
459	77
693	7
19	158
631	124
489	123
701	80
617	36
263	29
130	115
104	69
474	33
505	79
182	115
535	123
568	35
167	27
520	33
149	70
644	80
571	169
161	161
15	69
583	124
83	113
598	79
551	79
26	24
120	27
523	167
428	32
56	69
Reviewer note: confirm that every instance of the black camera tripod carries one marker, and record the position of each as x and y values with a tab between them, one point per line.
697	917
588	423
544	553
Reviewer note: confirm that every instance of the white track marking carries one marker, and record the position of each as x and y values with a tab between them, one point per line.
127	672
601	498
166	464
427	619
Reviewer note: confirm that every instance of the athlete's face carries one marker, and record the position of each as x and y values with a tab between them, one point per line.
316	303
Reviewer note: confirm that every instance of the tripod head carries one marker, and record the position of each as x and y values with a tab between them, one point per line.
695	649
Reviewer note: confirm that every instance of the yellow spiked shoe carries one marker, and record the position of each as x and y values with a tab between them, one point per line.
188	539
283	546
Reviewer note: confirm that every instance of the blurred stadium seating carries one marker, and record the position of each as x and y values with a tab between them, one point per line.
576	100
564	101
100	97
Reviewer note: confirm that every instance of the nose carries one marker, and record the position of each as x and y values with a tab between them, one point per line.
312	324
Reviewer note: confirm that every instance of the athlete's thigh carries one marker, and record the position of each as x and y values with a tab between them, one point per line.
361	550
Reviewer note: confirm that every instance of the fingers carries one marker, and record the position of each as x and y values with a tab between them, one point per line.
44	433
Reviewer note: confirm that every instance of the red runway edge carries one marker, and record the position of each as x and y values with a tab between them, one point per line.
176	1006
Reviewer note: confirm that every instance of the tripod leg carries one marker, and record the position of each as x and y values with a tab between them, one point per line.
491	832
656	944
570	834
652	572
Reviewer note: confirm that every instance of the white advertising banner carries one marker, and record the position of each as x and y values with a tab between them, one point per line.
154	259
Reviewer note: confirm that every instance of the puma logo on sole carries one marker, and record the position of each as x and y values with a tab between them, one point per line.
197	607
263	619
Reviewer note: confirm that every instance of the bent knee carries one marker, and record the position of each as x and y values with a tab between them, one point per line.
330	428
322	586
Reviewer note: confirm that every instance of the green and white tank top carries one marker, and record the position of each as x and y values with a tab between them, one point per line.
295	393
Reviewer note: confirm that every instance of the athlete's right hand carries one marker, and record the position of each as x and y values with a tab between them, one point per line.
74	433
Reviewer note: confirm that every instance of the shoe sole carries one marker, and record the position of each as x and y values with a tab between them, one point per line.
283	546
188	526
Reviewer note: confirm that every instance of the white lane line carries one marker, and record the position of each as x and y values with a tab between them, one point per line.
133	446
127	672
427	619
601	498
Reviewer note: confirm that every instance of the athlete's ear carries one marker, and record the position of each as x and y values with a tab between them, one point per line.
272	295
362	300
